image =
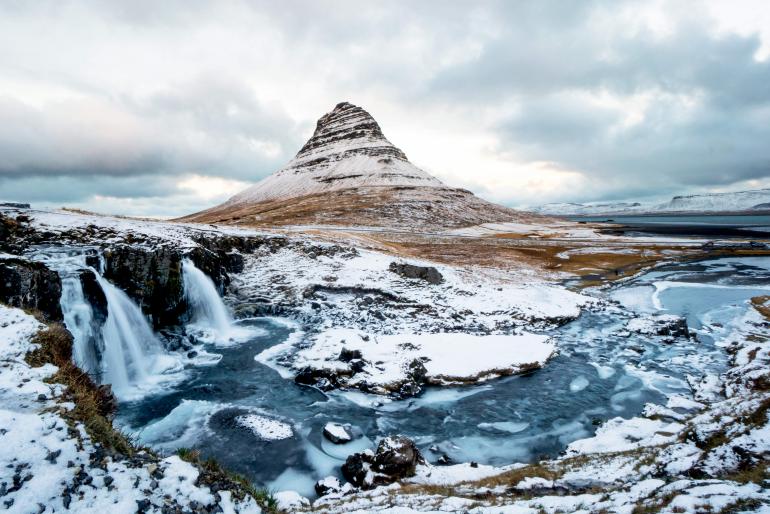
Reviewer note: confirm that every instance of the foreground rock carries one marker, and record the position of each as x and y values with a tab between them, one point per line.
338	434
396	458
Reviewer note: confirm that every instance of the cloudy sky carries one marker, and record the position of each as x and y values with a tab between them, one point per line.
164	108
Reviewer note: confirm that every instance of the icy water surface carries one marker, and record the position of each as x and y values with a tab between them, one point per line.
269	429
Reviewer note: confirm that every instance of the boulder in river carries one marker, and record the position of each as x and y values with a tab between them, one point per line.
337	433
396	458
328	485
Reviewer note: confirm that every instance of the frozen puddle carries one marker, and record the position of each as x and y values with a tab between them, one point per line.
259	423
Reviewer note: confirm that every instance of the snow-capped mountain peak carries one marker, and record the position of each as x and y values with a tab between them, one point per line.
347	149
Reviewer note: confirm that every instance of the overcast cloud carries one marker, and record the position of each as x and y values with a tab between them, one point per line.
164	108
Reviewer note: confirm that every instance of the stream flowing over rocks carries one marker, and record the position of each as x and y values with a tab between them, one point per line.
339	375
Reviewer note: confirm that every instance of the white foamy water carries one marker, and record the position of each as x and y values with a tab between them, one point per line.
134	359
211	321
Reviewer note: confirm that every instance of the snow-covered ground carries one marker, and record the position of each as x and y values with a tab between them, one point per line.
473	324
661	460
46	465
445	358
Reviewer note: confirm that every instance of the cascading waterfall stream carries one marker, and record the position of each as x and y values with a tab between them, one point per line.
206	306
131	350
209	314
120	349
79	319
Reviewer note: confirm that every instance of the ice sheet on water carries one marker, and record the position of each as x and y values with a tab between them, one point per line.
182	427
511	427
294	480
637	298
578	384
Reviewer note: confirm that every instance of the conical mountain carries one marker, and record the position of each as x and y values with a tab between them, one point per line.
348	173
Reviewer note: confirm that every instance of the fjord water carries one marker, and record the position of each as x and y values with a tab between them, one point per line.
602	371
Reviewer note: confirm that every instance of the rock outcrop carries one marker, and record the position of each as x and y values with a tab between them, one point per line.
30	285
396	458
427	273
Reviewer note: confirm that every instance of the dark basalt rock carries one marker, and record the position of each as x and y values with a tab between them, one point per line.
152	277
30	285
94	295
673	328
347	355
325	380
396	458
15	234
427	273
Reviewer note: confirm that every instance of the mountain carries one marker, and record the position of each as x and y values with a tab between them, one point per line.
579	209
348	173
739	201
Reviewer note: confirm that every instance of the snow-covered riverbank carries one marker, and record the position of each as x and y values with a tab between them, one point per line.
375	322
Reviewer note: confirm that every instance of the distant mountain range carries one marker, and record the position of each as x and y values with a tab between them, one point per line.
757	200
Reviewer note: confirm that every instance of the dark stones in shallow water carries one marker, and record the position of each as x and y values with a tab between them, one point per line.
427	273
396	458
325	380
673	328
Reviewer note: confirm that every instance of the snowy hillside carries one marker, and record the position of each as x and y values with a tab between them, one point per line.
349	174
737	201
707	203
578	209
347	150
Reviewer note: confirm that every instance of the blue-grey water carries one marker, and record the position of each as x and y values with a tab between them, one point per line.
602	371
738	220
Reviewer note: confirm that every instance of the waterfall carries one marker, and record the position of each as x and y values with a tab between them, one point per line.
131	350
120	348
79	319
209	315
206	307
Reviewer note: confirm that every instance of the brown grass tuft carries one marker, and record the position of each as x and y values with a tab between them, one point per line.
93	404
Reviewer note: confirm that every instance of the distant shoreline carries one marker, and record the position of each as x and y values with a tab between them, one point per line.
758	212
629	225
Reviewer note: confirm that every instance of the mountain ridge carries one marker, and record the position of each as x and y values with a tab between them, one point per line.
349	173
748	201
